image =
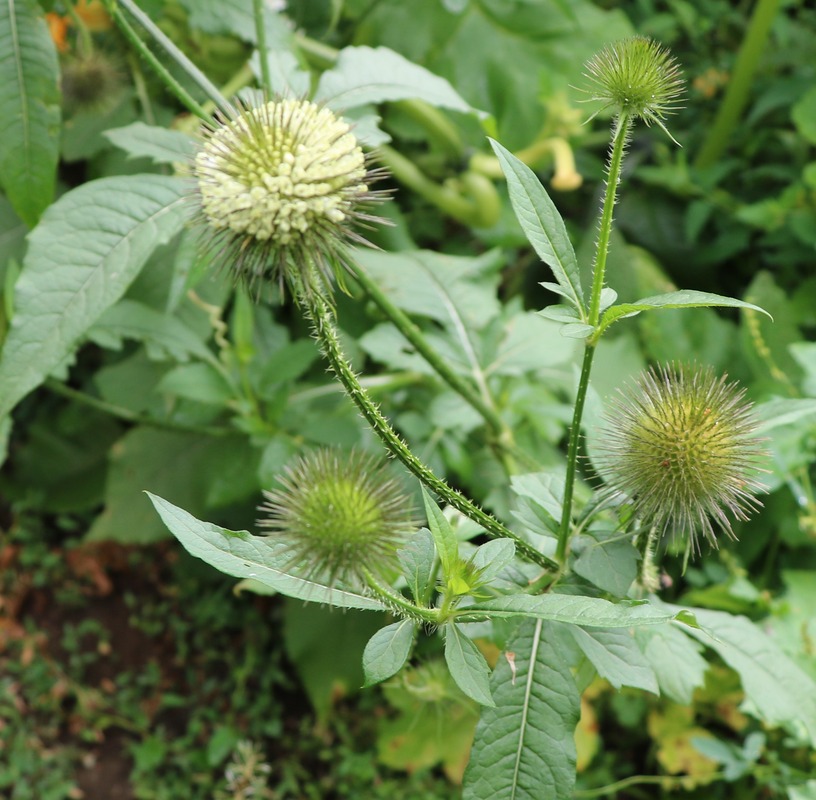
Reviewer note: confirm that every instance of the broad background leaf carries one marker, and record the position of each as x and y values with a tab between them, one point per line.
524	747
87	250
367	75
776	689
616	657
676	660
242	555
29	109
162	145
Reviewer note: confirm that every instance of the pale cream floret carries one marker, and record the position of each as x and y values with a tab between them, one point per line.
280	169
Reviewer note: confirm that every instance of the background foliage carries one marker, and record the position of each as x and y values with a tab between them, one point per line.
158	375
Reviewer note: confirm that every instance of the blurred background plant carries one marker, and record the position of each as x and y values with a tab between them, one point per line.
188	389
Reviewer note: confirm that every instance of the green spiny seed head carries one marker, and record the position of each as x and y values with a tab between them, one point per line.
636	77
279	186
678	446
341	514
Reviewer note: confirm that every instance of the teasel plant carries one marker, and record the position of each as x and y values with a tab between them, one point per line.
282	188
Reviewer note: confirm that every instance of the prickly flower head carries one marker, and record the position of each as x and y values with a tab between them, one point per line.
279	185
678	446
636	77
341	514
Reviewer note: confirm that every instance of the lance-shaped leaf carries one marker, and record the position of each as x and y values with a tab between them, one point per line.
242	555
574	609
542	224
524	748
447	545
29	109
467	665
86	251
685	298
387	651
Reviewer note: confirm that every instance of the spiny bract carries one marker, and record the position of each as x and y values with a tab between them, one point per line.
342	514
678	446
636	76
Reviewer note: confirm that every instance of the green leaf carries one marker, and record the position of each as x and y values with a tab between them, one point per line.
776	689
577	610
467	665
610	564
542	224
29	109
242	555
162	145
235	18
387	651
492	557
676	660
685	298
447	545
542	495
803	115
199	382
165	337
616	657
160	460
81	258
417	561
366	75
327	650
524	748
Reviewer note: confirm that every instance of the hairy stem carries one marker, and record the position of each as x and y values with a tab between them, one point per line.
400	603
195	74
322	319
413	334
619	139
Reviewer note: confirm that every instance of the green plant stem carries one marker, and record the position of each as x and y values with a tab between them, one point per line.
619	140
739	87
260	33
195	74
126	415
665	781
468	211
401	603
413	334
172	85
322	319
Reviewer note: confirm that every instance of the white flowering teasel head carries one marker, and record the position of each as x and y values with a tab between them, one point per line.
280	186
678	446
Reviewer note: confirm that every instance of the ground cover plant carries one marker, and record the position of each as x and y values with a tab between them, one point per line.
557	507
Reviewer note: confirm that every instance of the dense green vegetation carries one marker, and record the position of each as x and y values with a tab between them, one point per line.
133	360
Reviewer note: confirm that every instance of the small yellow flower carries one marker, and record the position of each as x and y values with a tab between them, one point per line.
279	186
